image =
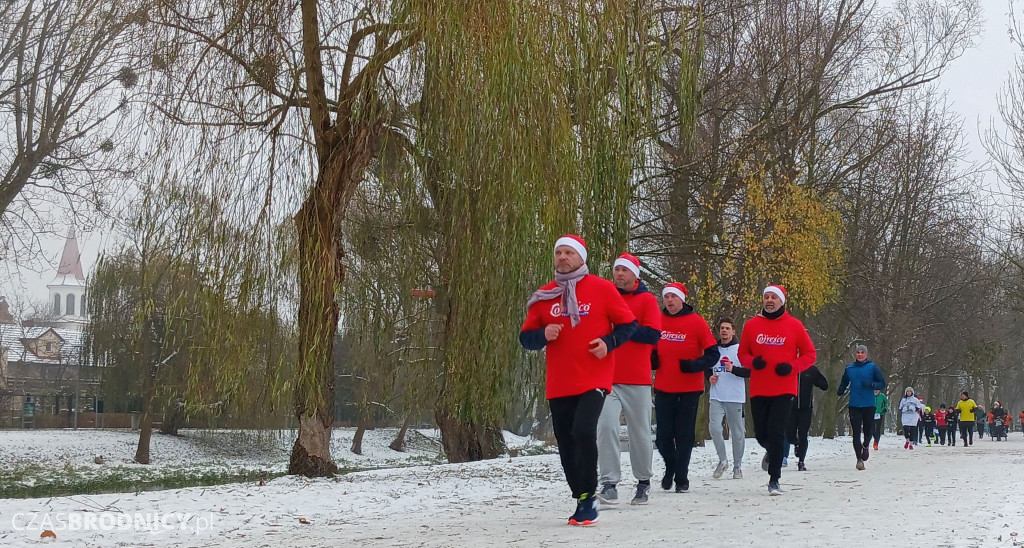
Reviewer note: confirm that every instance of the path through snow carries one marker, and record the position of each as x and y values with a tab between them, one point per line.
932	496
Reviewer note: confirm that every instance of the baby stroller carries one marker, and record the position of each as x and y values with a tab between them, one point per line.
998	428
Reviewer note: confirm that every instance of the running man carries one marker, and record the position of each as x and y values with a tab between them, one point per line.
726	397
928	420
940	423
631	390
776	347
967	407
881	409
910	416
578	319
686	350
803	412
862	378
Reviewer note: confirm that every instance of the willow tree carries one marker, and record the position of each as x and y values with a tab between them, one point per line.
529	124
308	94
320	96
180	309
389	325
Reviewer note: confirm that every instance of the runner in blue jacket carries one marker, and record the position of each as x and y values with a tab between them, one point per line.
862	378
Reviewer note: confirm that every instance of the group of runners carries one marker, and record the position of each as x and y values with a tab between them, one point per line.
920	422
603	339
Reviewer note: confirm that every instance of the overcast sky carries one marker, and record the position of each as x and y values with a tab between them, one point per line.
975	80
972	81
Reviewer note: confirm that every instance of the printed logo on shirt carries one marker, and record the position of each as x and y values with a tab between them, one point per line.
556	310
768	340
673	337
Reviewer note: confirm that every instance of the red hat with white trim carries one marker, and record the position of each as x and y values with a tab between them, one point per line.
630	262
779	291
574	242
677	289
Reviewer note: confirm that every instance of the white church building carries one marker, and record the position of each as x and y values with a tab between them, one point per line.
67	290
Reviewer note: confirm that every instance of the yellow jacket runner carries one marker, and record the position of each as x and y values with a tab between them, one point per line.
965	407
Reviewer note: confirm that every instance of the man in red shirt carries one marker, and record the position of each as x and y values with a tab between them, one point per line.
578	319
776	348
686	350
631	390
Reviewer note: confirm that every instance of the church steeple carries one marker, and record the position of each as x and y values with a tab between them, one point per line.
70	267
67	290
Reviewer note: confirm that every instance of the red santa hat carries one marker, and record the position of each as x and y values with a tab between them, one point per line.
629	262
677	289
574	242
778	289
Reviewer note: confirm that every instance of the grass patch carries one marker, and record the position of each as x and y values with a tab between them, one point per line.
532	450
35	482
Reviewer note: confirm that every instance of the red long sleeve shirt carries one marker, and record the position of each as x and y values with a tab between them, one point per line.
782	340
682	338
571	368
633	359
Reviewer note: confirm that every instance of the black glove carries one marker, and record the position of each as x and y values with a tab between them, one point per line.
688	366
974	410
759	363
655	361
783	369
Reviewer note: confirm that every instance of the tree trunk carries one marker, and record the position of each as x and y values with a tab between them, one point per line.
702	428
399	443
320	276
145	421
467	441
151	353
174	418
343	151
544	429
357	439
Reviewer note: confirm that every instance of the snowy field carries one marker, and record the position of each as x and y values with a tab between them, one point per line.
932	496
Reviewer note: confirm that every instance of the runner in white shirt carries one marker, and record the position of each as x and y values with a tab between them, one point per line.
727	395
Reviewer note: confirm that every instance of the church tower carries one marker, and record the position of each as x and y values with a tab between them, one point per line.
67	290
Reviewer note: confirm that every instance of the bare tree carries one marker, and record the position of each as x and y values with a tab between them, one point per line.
780	85
914	271
67	73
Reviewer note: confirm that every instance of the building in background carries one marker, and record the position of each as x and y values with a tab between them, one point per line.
43	363
67	290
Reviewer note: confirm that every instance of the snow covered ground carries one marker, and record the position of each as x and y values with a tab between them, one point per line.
219	448
932	496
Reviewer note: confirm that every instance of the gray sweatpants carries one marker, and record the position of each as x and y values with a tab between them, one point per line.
733	413
634	401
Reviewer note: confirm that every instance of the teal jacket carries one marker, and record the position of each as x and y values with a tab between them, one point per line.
881	403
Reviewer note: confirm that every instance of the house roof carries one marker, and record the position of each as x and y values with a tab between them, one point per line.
13	337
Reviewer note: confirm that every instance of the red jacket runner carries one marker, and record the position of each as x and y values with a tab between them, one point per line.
633	359
571	368
782	340
683	337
